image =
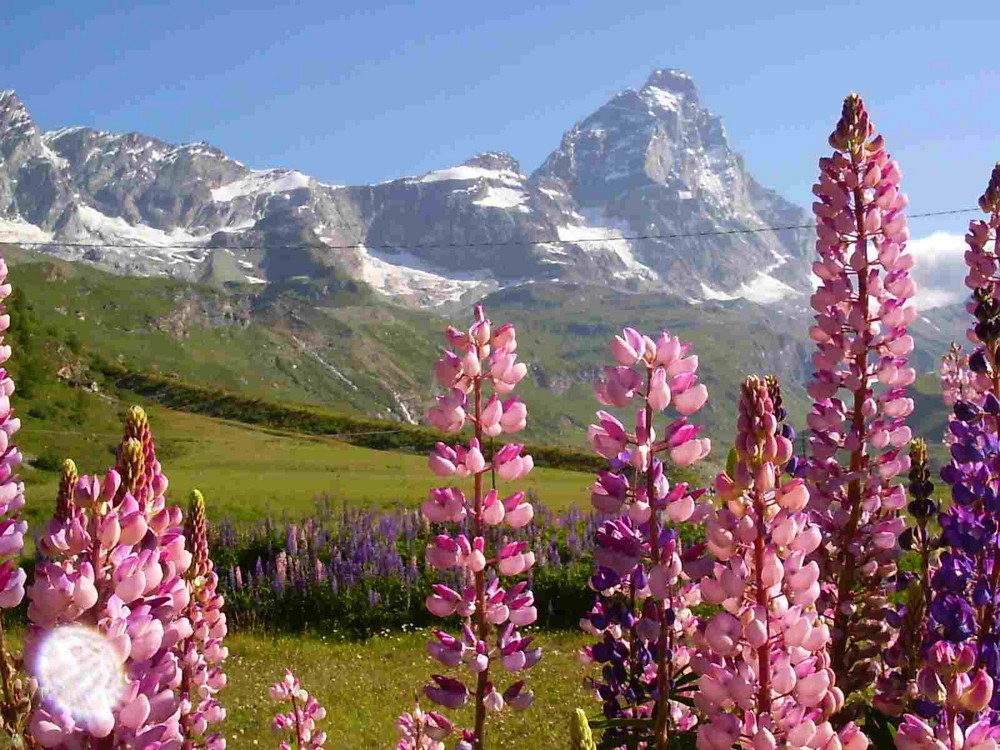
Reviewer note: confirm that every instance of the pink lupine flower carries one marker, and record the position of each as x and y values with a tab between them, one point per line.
447	649
448	370
490	417
608	438
628	347
470	555
515	415
448	415
510	465
202	649
493	509
521	607
12	577
444	504
131	589
518	512
447	692
638	556
485	360
515	558
916	734
863	307
65	533
517	652
443	552
421	730
764	659
301	719
443	460
618	386
505	371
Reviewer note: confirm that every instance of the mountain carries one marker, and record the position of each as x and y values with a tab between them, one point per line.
652	161
656	162
278	286
342	346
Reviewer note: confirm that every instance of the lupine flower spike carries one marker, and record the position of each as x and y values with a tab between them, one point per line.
304	711
643	616
958	382
12	528
111	587
482	359
896	688
423	730
15	698
957	704
765	680
203	652
863	307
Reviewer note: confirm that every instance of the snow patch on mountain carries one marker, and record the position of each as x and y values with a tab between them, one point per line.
763	289
114	229
466	173
402	274
270	181
503	197
662	98
18	230
605	238
708	293
766	290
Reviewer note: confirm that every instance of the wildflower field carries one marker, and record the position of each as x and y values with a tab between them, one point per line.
813	596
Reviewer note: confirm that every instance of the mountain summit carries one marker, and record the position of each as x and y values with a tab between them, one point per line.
657	162
650	162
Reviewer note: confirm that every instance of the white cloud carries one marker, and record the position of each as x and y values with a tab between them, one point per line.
939	269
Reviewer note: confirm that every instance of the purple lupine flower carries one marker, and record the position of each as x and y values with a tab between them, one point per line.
643	615
962	653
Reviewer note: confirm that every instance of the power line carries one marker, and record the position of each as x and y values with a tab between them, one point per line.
440	245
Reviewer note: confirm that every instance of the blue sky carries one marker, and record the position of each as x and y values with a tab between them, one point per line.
353	94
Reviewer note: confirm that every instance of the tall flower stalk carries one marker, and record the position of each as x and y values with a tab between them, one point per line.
896	689
422	730
111	588
958	703
765	680
203	652
481	555
957	380
15	699
643	615
300	718
859	389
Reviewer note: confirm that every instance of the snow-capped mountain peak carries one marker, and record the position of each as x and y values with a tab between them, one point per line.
652	161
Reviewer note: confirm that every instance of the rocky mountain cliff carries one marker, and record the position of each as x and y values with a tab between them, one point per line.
652	161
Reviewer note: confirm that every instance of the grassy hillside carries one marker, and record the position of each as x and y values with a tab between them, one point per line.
309	343
332	344
244	471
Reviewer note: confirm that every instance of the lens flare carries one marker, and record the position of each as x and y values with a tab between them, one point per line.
80	673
